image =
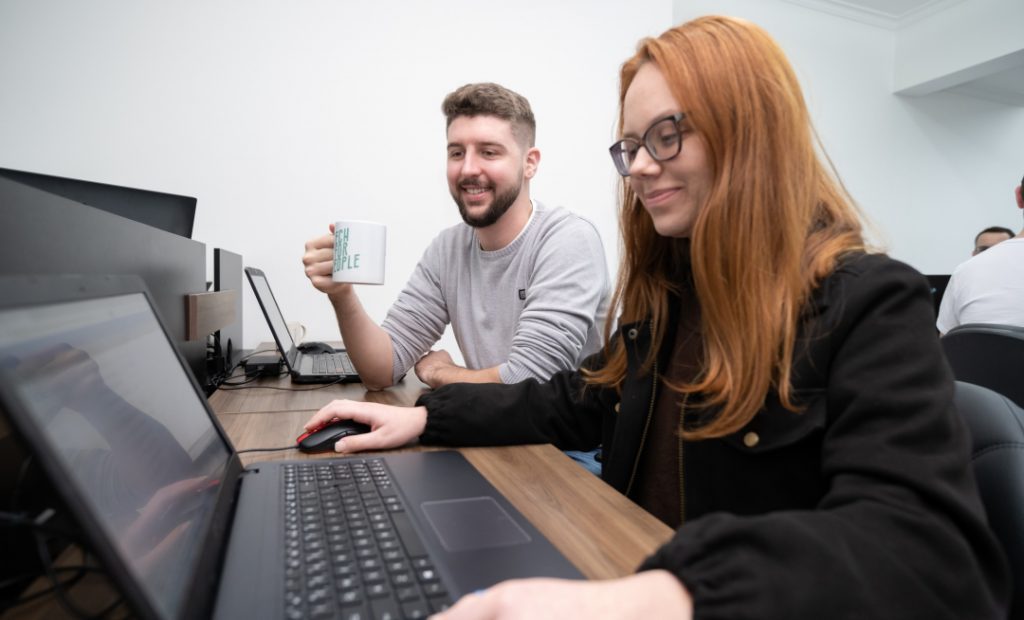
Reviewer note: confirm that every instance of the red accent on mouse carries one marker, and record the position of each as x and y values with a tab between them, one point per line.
322	439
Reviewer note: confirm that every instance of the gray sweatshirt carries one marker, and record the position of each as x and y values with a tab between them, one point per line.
532	308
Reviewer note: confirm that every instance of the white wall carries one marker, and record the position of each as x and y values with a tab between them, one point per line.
283	116
929	172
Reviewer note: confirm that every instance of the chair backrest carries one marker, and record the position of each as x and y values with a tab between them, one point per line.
997	454
989	355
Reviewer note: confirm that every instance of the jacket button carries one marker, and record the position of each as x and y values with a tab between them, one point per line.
751	439
617	407
632	333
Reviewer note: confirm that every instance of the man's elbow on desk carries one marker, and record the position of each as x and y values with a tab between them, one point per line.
437	368
375	384
373	376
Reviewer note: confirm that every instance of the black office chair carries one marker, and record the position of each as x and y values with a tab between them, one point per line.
989	355
997	454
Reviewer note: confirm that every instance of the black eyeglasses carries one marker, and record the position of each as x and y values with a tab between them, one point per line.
663	141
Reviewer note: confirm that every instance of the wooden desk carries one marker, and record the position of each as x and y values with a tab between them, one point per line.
604	534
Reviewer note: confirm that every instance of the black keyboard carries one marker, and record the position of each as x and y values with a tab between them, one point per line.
350	549
333	364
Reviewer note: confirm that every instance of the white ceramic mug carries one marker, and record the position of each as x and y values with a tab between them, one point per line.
359	252
297	331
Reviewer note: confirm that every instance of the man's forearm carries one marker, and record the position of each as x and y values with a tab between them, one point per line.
367	343
458	374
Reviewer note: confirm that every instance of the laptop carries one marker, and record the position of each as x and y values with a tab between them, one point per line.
937	283
313	367
94	388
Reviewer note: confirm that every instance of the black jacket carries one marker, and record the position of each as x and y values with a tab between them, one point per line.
860	506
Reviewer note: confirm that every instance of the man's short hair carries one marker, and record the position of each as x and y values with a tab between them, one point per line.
489	99
994	229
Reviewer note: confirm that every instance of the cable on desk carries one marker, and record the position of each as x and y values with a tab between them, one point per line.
79	571
40	529
225	379
266	449
224	385
225	375
244	386
61	596
248	379
13	519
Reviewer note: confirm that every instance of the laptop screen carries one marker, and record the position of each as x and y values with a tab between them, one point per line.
275	319
937	284
108	397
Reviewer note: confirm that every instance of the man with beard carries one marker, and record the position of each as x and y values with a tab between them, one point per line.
524	287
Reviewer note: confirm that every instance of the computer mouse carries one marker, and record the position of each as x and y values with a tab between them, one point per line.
315	347
323	439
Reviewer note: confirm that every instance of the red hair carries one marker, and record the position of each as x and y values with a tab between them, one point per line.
774	224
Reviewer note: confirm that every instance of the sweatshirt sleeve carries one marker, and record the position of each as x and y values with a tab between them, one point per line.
419	316
566	303
900	531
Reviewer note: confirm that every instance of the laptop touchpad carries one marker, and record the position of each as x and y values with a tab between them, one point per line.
473	523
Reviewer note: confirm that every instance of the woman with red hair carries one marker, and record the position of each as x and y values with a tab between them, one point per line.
774	392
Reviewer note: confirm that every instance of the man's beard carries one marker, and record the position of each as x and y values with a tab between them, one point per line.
501	204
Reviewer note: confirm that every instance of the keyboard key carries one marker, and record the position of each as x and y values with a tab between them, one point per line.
415	611
406	595
410	539
351	597
434	589
378	590
401	579
385	609
354	613
346	583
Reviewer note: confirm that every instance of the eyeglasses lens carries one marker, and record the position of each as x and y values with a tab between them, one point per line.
662	141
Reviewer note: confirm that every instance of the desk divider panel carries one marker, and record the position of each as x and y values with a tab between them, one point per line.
44	233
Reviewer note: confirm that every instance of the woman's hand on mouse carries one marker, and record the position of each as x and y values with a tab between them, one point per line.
650	594
390	427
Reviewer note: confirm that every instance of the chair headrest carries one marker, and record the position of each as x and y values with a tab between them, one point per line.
995	329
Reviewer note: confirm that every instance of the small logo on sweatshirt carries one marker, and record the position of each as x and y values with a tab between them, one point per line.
522	294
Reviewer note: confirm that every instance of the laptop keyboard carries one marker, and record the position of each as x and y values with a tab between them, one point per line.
350	548
333	364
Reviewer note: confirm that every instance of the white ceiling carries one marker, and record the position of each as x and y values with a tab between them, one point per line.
887	13
1005	85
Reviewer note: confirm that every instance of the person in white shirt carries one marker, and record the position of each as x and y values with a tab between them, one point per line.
989	288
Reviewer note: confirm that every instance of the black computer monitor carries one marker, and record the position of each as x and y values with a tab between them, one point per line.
227	276
169	212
